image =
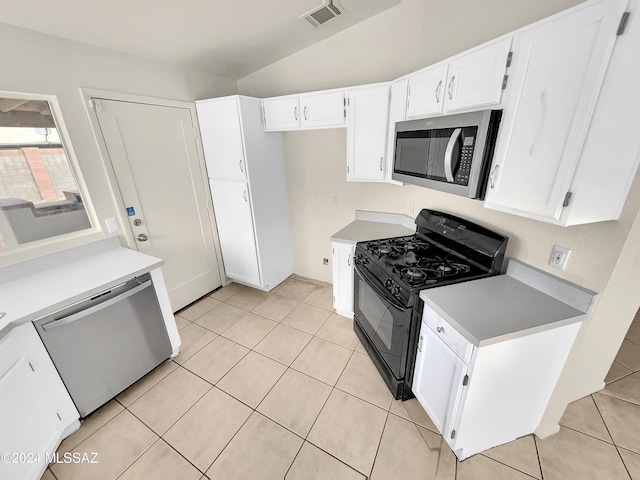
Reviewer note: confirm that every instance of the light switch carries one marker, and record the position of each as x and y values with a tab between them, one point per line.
112	224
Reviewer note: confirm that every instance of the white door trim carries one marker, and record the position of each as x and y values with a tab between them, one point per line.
87	95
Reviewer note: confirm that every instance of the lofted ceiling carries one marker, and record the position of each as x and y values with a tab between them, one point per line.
228	38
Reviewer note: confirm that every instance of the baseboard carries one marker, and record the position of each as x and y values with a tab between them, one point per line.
546	432
587	391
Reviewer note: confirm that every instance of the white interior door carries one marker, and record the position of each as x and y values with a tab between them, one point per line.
155	160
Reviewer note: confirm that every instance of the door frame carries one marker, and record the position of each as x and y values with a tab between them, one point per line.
88	94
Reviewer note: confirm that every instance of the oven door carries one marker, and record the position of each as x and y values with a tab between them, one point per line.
384	320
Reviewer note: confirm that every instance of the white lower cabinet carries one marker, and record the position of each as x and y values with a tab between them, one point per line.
235	229
343	278
36	412
438	377
480	397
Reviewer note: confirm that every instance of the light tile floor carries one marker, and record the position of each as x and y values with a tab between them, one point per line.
277	386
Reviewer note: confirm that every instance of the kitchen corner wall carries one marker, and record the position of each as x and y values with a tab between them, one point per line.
43	64
398	41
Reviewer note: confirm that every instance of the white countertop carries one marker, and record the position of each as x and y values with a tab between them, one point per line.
499	308
65	279
375	225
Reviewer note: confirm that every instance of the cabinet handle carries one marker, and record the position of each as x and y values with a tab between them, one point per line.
244	195
305	112
349	261
450	86
492	177
381	159
438	91
241	166
295	113
420	343
440	329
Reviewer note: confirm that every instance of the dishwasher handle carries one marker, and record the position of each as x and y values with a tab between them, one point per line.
96	308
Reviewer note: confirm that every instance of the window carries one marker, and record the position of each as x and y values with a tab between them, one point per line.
39	193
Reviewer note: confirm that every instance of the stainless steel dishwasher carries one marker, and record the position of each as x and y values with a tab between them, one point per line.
103	344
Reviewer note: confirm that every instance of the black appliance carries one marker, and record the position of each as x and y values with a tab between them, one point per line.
390	273
451	153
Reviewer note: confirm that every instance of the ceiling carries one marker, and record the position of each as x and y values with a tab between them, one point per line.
228	38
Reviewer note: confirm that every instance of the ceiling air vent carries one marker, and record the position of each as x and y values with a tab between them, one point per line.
322	14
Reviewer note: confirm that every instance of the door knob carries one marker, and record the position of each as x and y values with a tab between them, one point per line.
142	237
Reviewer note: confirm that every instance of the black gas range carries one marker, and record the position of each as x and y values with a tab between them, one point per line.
389	274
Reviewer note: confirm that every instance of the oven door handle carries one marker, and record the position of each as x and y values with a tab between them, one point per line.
448	155
378	288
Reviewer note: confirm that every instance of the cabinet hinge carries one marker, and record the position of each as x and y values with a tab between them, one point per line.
32	369
505	79
509	58
345	113
347	168
453	434
567	199
465	380
623	23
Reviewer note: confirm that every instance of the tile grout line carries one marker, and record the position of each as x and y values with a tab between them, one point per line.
535	442
511	466
375	457
139	457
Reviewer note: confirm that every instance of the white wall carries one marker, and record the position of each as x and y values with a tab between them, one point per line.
402	39
43	64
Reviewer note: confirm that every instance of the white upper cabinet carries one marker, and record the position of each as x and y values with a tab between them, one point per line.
469	80
368	108
426	90
475	79
556	77
222	140
324	109
281	113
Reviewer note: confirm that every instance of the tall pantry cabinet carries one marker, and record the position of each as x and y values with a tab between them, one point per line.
245	166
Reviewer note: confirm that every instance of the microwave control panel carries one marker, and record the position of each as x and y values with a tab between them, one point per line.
464	165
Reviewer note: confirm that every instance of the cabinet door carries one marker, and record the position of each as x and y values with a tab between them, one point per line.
28	408
343	278
437	380
475	79
426	92
234	219
556	76
397	113
367	132
281	114
321	110
222	139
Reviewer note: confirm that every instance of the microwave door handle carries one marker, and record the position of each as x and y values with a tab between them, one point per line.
448	154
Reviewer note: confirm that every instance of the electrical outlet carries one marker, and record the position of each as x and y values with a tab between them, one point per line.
112	224
559	257
325	261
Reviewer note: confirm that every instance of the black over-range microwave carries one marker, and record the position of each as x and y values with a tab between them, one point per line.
451	153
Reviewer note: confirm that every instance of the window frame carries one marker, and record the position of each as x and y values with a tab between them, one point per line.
13	254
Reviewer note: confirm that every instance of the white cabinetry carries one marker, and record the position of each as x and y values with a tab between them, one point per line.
250	203
367	120
469	80
480	397
324	109
343	278
36	412
557	73
439	378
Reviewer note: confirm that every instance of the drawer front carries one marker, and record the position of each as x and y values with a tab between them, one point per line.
449	335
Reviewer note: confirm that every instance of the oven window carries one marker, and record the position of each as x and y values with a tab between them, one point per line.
383	323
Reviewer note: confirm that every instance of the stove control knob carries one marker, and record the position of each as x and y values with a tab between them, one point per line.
388	284
395	291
